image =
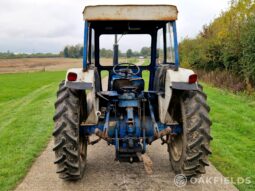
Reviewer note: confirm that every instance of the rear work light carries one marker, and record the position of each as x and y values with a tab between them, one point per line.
192	78
72	77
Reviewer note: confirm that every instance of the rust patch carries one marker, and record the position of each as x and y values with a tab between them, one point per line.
148	164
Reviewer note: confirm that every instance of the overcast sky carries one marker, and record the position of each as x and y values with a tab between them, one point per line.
48	25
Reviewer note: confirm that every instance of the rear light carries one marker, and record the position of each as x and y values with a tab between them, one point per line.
72	77
192	78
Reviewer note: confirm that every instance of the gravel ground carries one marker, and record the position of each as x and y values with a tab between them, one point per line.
103	173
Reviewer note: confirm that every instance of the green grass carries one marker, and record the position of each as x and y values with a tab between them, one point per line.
26	105
233	131
146	74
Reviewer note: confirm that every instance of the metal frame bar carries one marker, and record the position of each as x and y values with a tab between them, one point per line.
153	65
165	44
176	46
85	45
153	120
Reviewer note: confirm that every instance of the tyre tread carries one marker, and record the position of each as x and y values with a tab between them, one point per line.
198	136
66	134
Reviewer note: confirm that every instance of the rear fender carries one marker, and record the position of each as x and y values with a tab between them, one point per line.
86	81
178	80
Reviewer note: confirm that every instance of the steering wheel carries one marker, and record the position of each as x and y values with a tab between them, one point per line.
125	72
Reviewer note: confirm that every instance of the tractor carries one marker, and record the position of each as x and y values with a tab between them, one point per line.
131	112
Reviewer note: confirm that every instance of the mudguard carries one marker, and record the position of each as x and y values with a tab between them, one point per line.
174	79
86	80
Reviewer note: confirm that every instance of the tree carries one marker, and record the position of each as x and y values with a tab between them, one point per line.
145	51
73	51
81	51
247	61
66	55
129	53
226	43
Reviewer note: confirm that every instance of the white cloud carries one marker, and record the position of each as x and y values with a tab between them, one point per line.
48	25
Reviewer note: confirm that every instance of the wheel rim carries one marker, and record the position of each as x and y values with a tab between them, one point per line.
83	143
83	150
177	141
176	147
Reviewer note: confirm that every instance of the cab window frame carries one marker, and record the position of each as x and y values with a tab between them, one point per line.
91	58
166	39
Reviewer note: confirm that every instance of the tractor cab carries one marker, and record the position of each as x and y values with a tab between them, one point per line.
126	27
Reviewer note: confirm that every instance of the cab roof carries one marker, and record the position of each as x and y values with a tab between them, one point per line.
115	10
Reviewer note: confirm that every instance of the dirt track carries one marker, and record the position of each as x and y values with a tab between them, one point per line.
103	173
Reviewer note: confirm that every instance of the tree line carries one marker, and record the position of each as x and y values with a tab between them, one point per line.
10	55
77	52
227	43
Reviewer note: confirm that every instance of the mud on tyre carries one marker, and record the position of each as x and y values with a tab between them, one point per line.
70	147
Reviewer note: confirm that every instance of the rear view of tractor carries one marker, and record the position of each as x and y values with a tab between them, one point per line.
126	114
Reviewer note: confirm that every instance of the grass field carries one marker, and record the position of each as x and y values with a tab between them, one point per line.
26	105
233	130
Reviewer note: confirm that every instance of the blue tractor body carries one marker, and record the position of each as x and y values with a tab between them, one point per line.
144	101
129	120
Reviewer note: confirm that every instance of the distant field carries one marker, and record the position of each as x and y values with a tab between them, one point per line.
47	64
37	64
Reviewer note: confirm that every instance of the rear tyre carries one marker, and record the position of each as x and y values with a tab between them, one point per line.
70	147
189	151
